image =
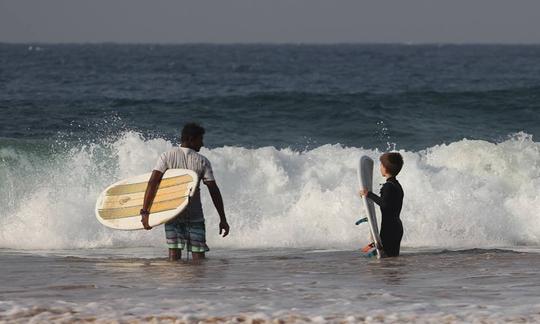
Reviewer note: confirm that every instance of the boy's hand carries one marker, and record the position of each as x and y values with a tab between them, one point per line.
363	192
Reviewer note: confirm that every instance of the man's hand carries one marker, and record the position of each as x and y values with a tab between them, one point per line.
144	221
224	227
363	192
218	203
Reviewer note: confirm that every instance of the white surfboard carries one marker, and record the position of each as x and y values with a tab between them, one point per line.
365	177
119	205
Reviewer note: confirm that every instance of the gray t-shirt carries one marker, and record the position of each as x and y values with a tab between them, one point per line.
186	158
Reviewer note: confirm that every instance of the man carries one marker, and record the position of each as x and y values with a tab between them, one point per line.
187	229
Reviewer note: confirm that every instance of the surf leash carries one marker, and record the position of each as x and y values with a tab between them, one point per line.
188	227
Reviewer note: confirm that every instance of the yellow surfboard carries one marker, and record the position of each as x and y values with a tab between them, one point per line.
118	206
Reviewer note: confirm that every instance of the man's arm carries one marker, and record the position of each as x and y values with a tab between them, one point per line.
218	203
149	195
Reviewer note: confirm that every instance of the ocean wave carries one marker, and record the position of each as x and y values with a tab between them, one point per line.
466	194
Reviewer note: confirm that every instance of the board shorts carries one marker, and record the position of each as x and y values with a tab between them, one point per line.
180	234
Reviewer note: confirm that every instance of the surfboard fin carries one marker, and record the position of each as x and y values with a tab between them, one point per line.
371	253
368	247
360	221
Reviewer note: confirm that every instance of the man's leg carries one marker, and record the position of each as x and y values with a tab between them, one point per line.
197	256
173	240
197	241
175	254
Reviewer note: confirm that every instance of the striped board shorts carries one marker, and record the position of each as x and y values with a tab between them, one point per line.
180	234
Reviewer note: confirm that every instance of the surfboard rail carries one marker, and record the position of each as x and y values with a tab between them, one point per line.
365	179
119	204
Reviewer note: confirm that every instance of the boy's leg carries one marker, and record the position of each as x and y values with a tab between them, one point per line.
392	250
391	240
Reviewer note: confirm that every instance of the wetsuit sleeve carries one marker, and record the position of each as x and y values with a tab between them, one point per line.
386	196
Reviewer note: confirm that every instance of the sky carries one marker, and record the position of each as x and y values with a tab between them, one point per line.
270	21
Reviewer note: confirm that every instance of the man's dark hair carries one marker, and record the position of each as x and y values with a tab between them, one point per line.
190	131
393	162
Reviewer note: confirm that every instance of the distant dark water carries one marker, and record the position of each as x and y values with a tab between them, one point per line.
280	95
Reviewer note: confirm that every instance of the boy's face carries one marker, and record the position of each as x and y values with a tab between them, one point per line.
384	172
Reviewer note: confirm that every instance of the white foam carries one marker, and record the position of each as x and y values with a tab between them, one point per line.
106	312
465	194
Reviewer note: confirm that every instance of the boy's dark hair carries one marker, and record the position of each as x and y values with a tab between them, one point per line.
190	131
393	162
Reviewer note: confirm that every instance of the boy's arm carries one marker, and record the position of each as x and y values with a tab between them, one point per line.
384	199
218	203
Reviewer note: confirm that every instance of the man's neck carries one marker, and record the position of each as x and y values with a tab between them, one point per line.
185	146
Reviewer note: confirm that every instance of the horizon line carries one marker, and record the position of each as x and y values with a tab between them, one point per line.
247	43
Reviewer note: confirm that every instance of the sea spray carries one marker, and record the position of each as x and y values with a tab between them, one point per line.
465	194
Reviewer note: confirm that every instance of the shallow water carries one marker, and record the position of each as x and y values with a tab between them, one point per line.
420	285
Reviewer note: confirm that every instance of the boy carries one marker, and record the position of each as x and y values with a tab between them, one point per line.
390	201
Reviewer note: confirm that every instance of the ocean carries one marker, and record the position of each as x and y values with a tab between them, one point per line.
285	127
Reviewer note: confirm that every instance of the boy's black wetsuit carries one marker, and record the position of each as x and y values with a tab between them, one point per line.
390	201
